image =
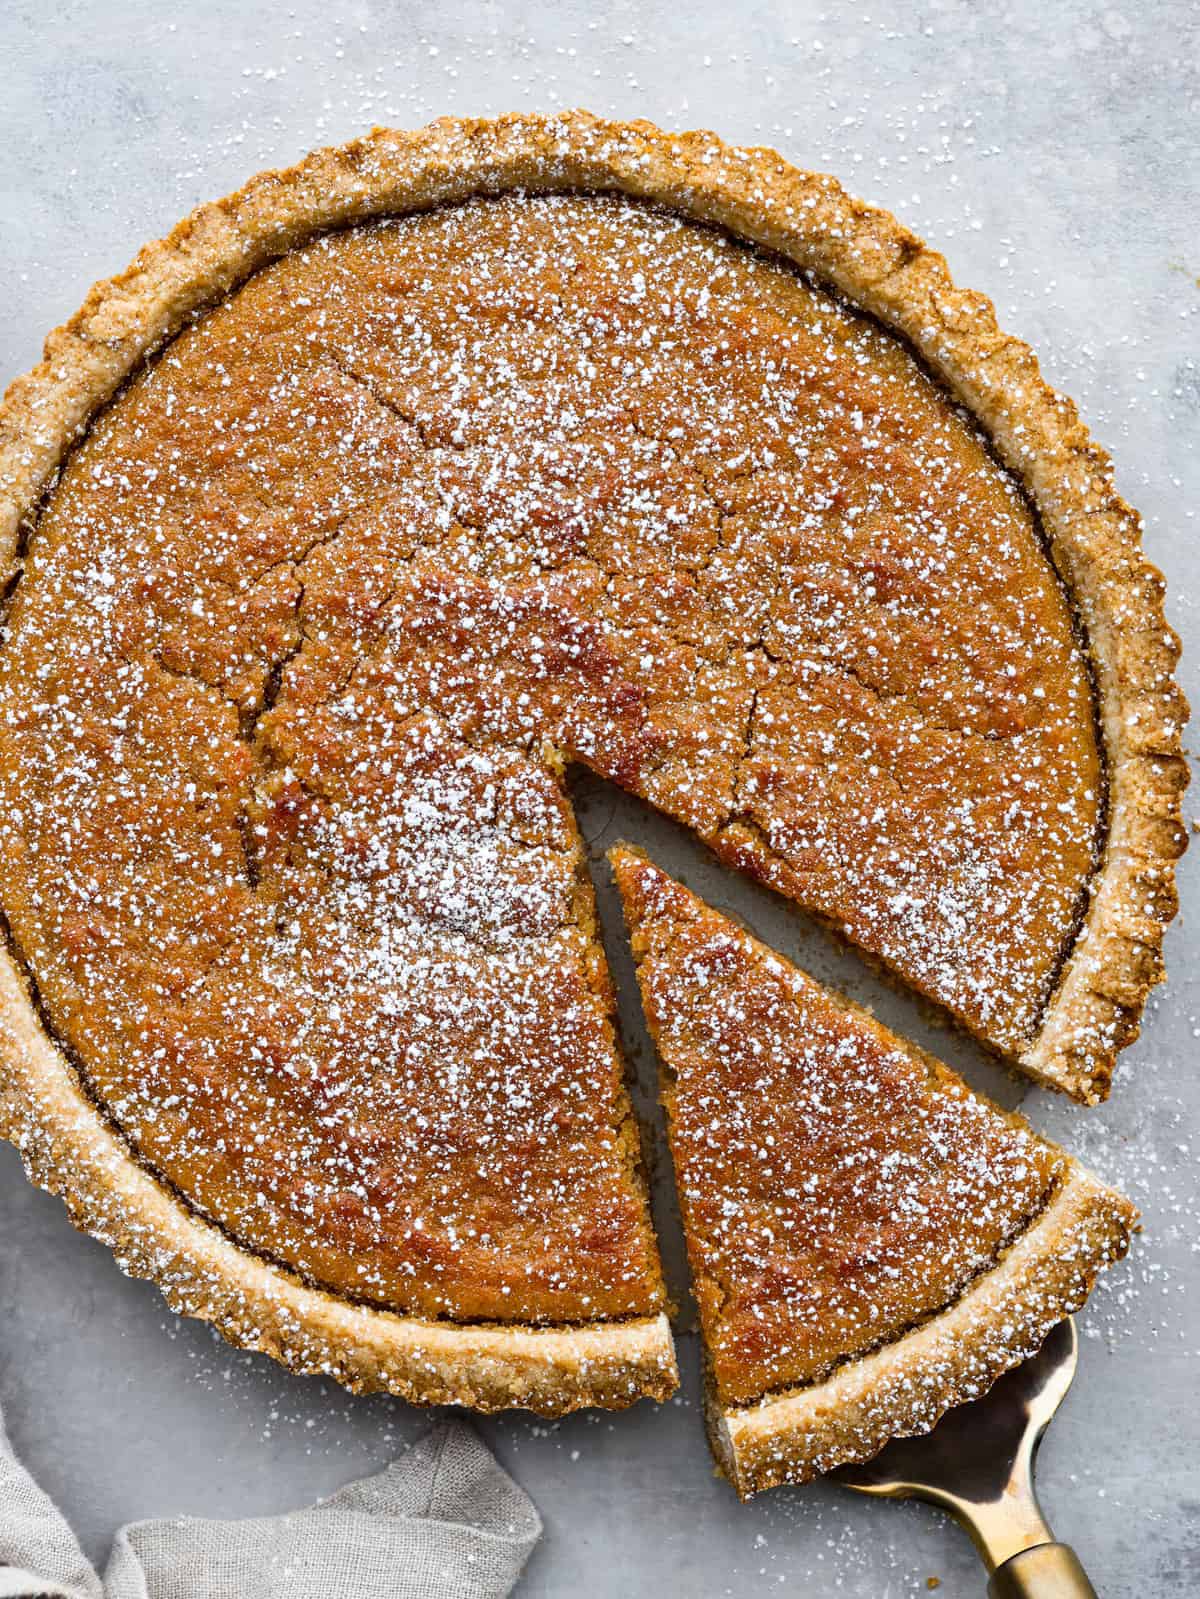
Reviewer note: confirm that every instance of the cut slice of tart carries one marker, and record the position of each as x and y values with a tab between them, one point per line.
871	1242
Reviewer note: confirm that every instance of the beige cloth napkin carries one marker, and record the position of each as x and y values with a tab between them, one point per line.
443	1520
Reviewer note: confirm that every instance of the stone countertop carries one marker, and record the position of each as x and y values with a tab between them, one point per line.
1050	150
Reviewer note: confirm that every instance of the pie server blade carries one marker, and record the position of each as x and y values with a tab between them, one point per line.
978	1464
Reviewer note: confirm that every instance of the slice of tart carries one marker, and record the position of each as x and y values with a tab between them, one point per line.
871	1242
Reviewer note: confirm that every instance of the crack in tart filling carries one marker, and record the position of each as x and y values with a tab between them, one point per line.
356	511
870	1241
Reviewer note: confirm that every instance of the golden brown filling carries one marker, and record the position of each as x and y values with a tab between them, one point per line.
836	1187
326	597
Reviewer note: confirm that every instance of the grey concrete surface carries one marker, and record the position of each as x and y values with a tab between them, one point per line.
1049	147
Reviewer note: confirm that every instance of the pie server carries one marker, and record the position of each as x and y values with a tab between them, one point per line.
978	1462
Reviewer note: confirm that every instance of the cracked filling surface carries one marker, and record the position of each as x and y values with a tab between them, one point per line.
329	596
837	1186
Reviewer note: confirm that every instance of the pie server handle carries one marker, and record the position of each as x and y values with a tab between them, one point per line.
1047	1571
978	1465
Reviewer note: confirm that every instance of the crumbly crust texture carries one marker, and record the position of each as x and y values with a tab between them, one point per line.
903	1388
862	253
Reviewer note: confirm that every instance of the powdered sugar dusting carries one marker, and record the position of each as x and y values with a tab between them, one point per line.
328	596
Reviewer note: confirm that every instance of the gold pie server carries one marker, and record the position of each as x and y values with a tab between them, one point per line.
978	1463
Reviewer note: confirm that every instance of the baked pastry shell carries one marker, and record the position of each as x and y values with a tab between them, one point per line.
864	254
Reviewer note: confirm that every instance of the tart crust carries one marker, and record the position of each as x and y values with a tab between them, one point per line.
863	253
68	1148
904	1387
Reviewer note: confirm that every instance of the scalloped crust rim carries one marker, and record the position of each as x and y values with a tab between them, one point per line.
69	1149
907	1385
867	256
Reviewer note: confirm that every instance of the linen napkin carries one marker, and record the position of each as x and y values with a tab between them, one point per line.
443	1520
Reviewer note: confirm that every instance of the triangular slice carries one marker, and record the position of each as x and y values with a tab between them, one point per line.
871	1242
